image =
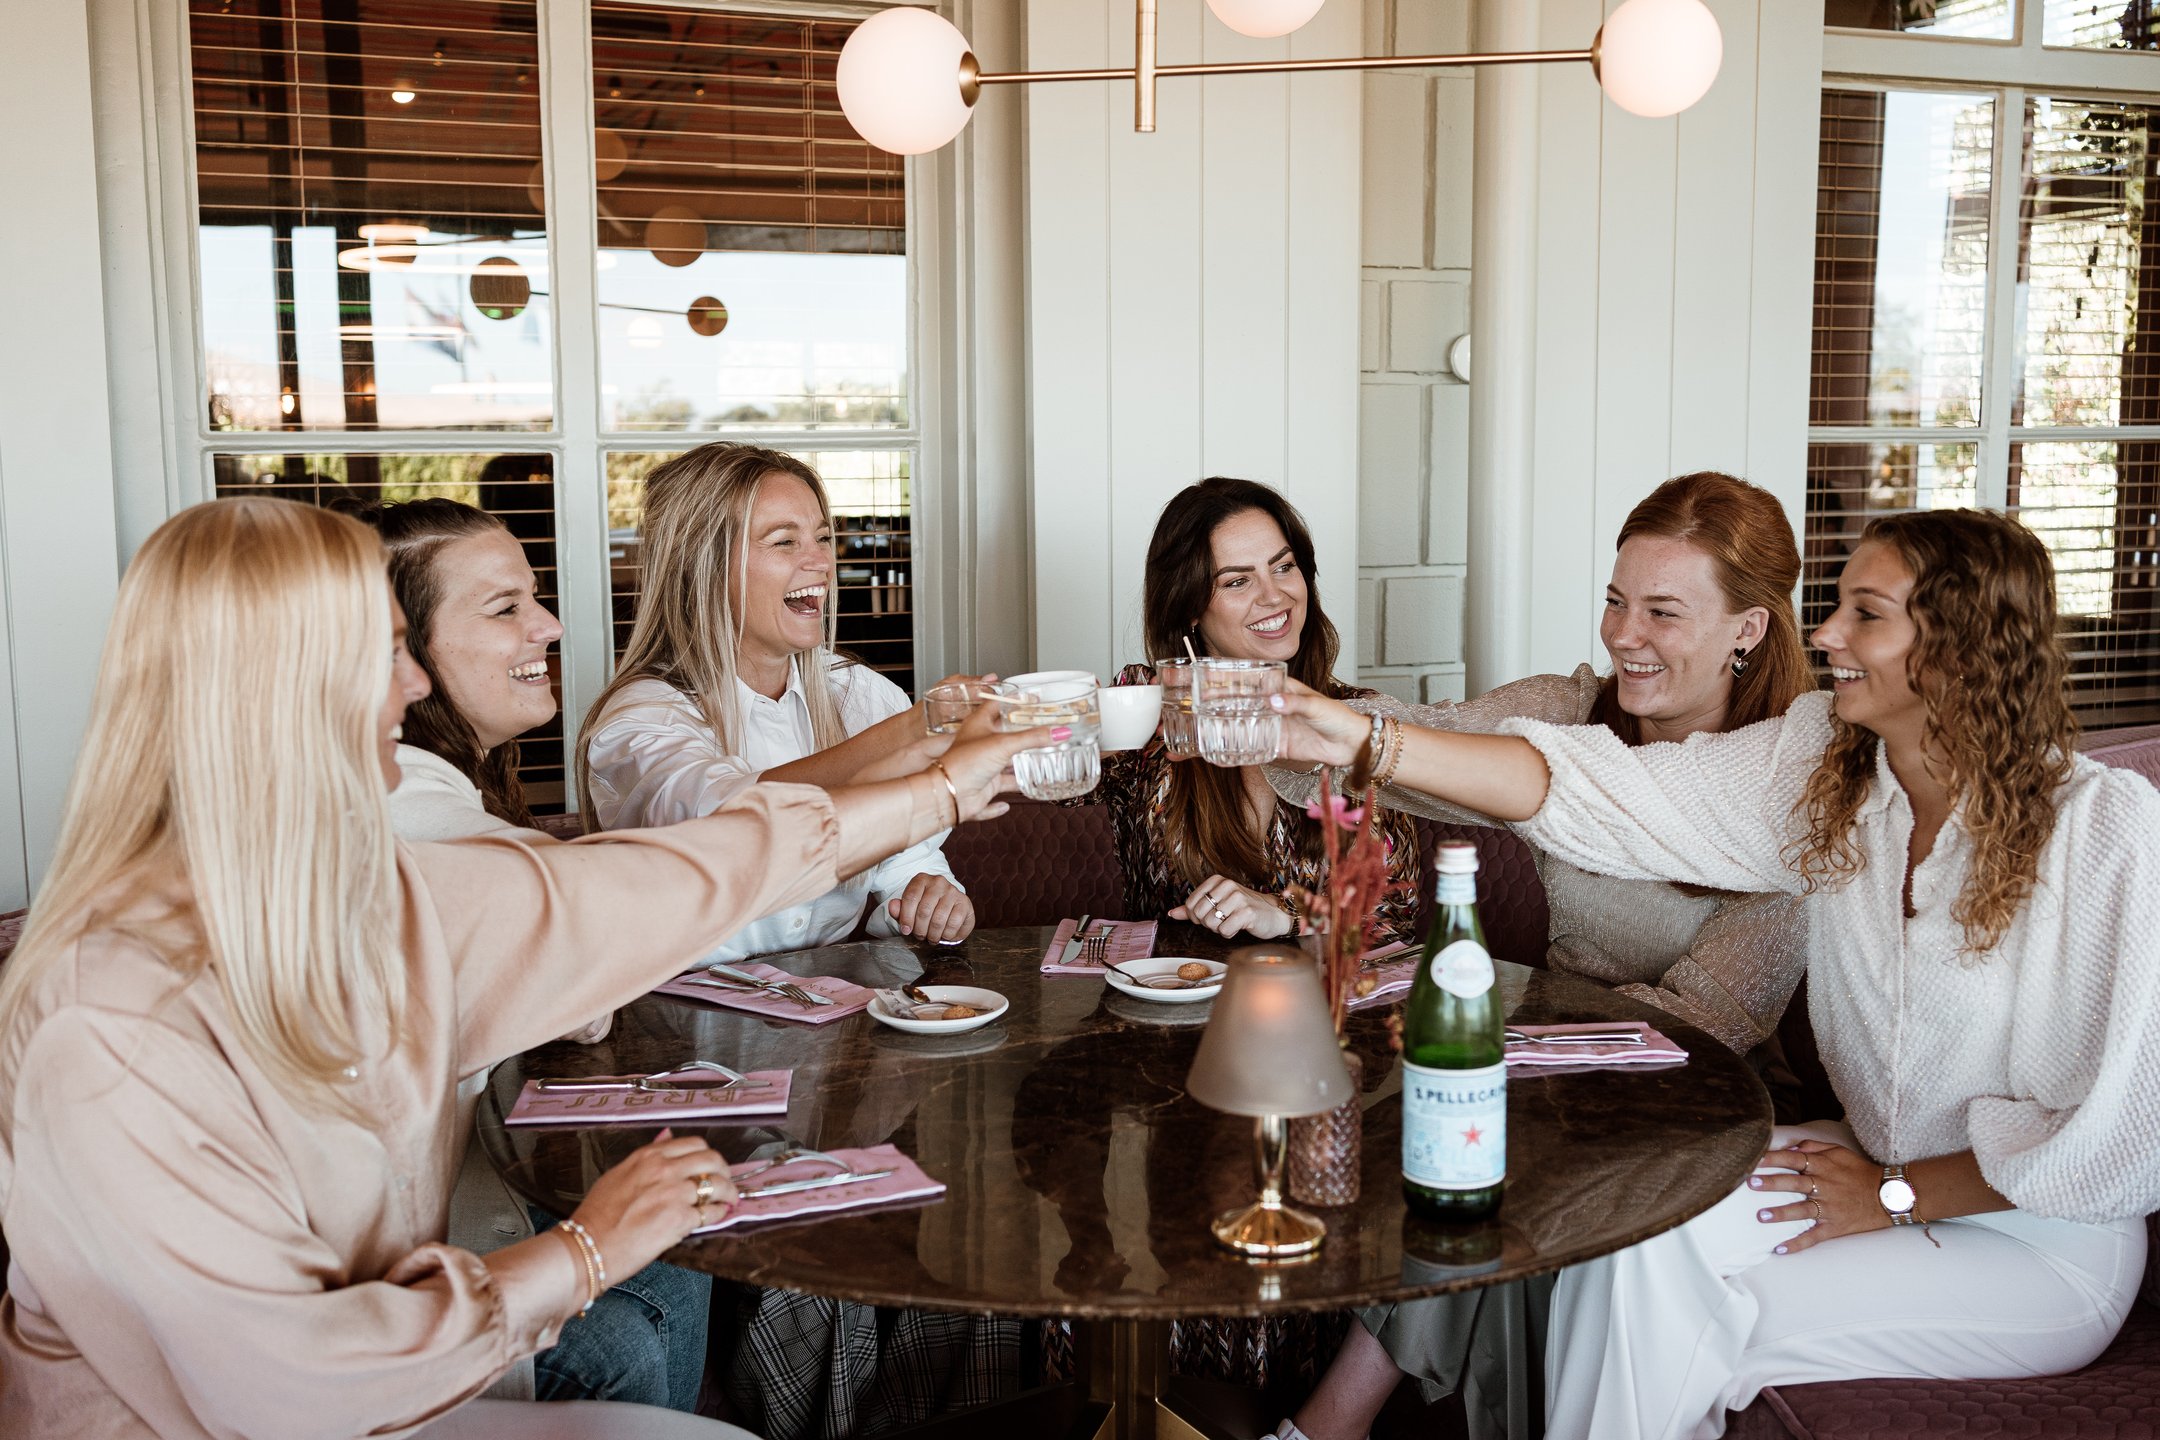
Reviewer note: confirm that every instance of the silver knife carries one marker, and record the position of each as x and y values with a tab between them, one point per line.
1072	946
790	1187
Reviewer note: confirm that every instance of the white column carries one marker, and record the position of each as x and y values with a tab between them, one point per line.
1503	320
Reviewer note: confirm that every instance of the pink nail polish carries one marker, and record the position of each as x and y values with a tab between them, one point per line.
1780	1250
1763	1215
1275	701
1754	1182
1063	732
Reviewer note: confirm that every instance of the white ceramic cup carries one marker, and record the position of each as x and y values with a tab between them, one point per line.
1129	713
1036	679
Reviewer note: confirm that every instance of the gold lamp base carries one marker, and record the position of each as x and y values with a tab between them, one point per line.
1270	1232
1269	1229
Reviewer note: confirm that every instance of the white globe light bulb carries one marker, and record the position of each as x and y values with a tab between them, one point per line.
899	79
1264	19
1657	57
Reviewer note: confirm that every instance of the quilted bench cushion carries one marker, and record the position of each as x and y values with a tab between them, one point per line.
2117	1397
1039	864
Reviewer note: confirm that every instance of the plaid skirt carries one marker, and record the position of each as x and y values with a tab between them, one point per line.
804	1367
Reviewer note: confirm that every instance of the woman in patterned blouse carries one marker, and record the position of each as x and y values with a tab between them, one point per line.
1231	570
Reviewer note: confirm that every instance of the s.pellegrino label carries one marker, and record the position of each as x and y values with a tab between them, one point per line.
1454	1092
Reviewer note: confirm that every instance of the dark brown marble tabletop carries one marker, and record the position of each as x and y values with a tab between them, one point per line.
1082	1178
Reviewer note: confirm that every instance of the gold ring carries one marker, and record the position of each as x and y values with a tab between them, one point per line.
1814	1188
1805	1162
707	1192
1818	1207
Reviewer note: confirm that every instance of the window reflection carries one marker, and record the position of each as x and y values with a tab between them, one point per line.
752	245
1973	19
372	249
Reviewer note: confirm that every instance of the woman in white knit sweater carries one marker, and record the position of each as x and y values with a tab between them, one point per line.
1985	984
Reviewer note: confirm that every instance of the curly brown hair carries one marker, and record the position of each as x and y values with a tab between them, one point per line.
1991	672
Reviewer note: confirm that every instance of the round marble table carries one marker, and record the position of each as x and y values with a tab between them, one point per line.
1081	1177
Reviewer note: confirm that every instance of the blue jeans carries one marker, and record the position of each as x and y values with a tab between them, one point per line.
643	1341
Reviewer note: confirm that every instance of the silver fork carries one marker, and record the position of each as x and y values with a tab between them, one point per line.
1095	948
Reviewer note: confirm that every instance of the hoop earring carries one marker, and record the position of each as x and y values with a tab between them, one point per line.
1739	663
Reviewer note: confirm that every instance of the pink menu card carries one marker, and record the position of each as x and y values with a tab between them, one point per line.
1129	940
907	1182
846	995
653	1107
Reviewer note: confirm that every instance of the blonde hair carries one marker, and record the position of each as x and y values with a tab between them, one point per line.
696	538
232	742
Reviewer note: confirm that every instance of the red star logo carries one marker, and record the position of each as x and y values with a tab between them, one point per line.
1472	1135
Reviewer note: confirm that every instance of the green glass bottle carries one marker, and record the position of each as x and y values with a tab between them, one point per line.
1454	1093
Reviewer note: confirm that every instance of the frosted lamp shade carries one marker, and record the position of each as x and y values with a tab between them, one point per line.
1269	1047
899	78
1657	57
1264	19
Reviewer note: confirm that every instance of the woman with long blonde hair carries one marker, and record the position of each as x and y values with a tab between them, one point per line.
730	676
231	1037
1984	949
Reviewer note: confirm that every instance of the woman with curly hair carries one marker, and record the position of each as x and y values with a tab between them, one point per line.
1985	953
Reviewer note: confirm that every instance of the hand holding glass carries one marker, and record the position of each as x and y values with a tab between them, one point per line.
1072	766
1236	724
946	707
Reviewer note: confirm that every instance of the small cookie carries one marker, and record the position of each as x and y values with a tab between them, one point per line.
1194	970
959	1012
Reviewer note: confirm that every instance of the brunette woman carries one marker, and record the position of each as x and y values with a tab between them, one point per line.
1984	942
477	629
1699	628
1230	571
231	1038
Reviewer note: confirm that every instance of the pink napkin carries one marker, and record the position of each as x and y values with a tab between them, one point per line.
847	996
1129	940
648	1107
1392	977
907	1182
1659	1050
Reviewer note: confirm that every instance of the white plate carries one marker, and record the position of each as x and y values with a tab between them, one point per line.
1164	965
989	1003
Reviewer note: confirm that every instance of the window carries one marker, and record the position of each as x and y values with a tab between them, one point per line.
1987	332
375	275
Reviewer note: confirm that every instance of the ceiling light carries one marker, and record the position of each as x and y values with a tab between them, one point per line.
403	92
1264	19
908	81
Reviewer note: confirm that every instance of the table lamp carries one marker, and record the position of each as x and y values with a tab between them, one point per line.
1269	1051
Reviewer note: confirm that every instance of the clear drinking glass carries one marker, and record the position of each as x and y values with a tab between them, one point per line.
1230	705
947	707
1178	735
1072	766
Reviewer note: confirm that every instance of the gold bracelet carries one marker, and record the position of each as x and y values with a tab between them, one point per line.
595	1267
1394	746
950	788
1290	908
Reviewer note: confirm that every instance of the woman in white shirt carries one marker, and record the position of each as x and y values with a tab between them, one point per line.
1984	953
730	678
479	632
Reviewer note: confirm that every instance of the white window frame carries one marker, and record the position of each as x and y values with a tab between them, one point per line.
574	440
2010	70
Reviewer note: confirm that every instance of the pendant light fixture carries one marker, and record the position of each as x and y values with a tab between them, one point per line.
908	81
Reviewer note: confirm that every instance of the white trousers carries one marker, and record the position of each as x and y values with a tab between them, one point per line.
1662	1339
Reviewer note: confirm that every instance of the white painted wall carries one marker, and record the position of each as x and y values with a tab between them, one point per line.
58	567
1414	412
1192	305
1674	290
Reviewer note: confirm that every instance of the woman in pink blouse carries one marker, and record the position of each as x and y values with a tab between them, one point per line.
231	1038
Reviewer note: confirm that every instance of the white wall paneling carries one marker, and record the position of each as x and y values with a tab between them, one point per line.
1192	306
1673	292
57	534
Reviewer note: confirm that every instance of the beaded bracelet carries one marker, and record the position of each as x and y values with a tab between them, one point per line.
595	1268
1394	741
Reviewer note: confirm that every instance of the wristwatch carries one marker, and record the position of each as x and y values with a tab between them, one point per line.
1897	1196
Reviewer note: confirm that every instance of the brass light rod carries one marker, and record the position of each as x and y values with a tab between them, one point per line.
1269	67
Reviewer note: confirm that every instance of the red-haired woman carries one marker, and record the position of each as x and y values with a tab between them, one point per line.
1699	626
1985	945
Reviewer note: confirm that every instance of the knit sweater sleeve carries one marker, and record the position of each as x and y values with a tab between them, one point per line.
2074	1138
1714	809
